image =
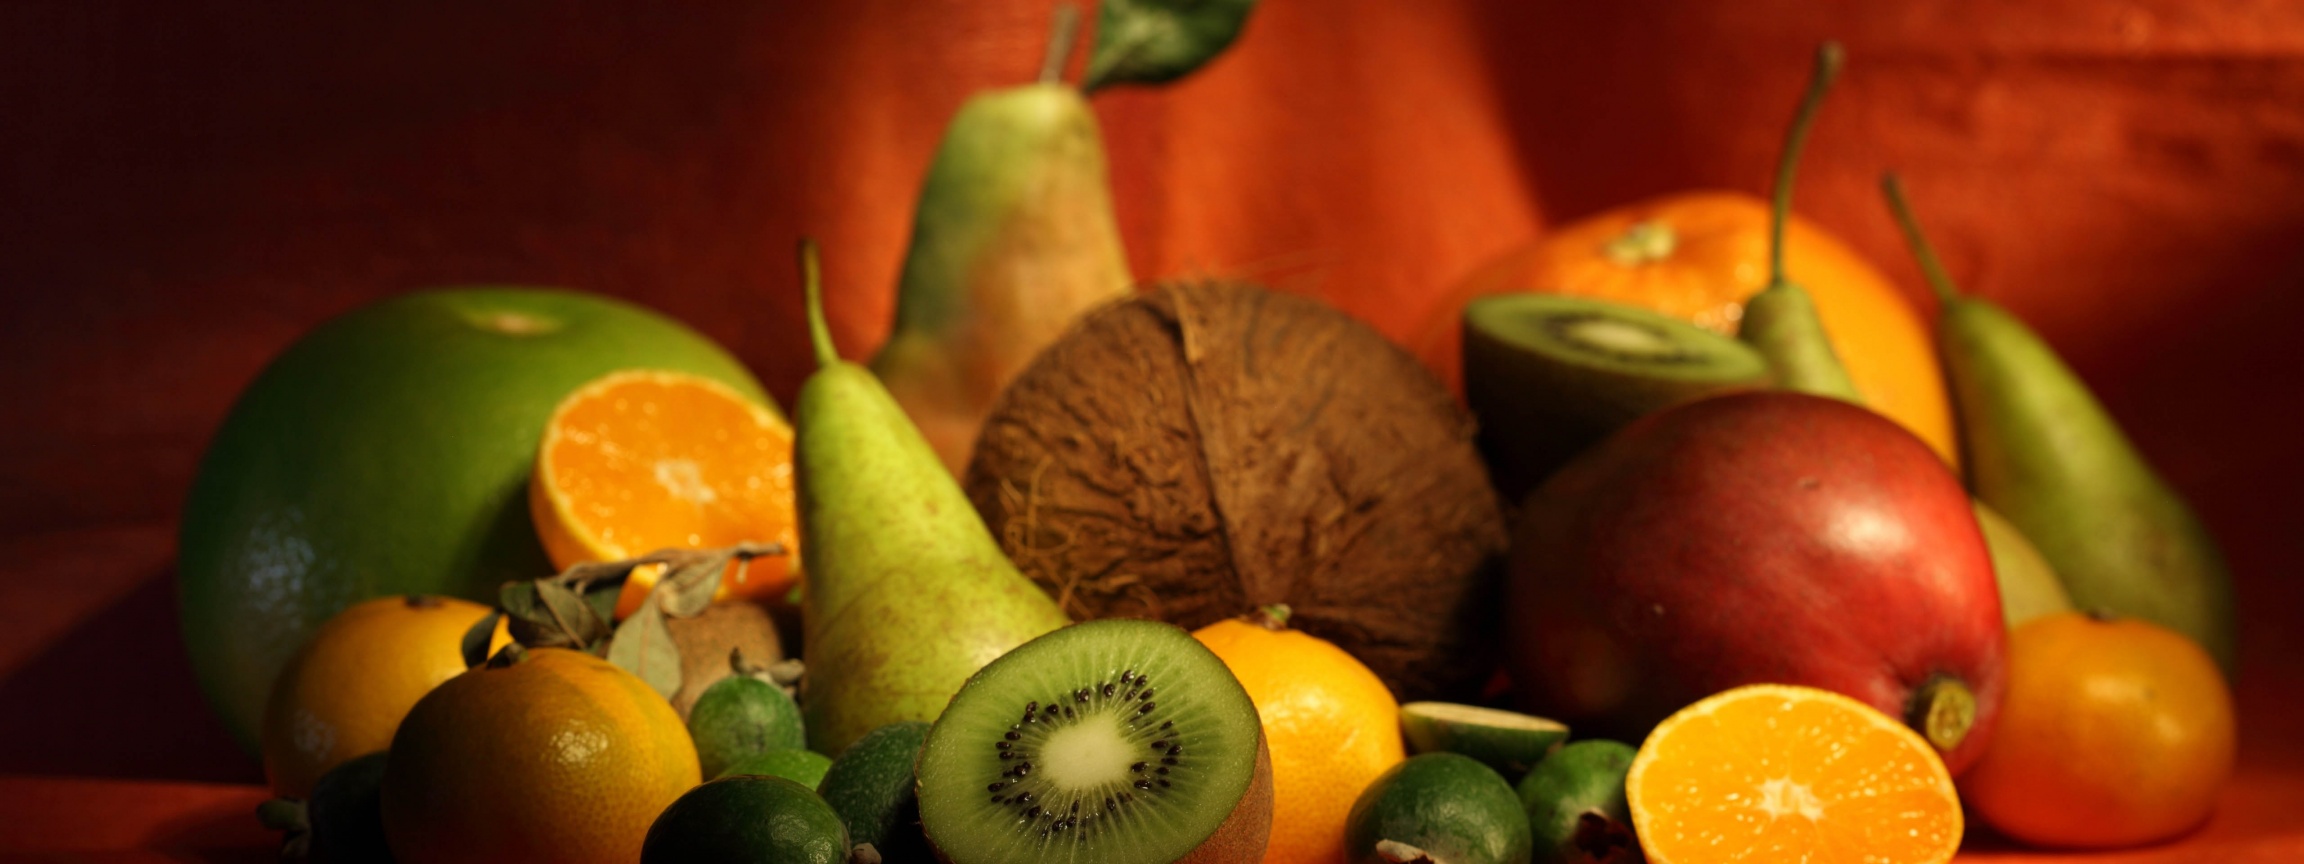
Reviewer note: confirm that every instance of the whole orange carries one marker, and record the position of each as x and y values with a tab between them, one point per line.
1698	256
547	754
2112	733
342	695
1331	724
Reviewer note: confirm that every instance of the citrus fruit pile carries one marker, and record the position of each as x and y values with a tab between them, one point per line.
517	576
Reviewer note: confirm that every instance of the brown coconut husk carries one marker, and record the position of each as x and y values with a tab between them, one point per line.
1198	451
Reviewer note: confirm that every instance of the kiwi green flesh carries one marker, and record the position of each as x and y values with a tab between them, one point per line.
1109	741
1608	339
1549	376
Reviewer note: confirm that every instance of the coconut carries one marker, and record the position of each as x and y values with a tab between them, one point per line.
1195	452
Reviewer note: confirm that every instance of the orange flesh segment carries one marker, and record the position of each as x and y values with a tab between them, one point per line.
1790	774
642	461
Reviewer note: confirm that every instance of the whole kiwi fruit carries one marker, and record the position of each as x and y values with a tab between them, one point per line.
1206	448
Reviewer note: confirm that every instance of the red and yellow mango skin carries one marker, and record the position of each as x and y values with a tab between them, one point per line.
1754	537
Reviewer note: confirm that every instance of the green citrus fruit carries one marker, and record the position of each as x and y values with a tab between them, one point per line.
388	452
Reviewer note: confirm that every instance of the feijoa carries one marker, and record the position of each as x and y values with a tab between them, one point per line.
1440	807
871	787
741	716
1576	808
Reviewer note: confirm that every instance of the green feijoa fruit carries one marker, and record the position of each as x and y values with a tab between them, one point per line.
1444	808
739	717
805	767
1118	741
347	813
1510	742
871	787
1576	807
747	818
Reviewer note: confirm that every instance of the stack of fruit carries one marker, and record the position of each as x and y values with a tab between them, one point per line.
1273	526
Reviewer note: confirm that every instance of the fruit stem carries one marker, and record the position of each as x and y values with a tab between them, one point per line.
421	601
1931	267
812	282
1063	31
1272	616
1828	59
512	653
1942	710
1646	242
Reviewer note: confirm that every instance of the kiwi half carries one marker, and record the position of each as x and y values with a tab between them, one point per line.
1548	376
1118	741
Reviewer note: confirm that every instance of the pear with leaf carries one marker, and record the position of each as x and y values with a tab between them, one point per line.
1014	235
907	594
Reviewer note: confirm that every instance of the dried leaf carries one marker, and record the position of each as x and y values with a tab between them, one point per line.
688	587
478	637
530	621
571	614
1156	41
643	646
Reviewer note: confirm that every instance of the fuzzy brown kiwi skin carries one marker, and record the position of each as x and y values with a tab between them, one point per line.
1244	834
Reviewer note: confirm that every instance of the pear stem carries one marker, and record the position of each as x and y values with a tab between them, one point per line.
1063	31
1931	267
1828	60
812	282
1272	616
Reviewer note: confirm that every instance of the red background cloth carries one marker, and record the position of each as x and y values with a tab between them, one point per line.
187	187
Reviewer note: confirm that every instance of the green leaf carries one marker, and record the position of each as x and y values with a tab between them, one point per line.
477	637
572	614
643	646
1156	41
531	624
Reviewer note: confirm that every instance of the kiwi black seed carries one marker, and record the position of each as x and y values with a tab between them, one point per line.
1066	749
1549	375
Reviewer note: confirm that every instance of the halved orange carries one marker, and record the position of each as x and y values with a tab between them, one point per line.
638	461
1771	772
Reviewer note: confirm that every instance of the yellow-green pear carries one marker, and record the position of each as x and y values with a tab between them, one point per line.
1012	239
2041	450
906	594
2028	585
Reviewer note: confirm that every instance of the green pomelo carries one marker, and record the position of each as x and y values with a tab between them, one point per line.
1508	741
805	767
871	787
748	818
1437	807
740	717
388	452
1576	806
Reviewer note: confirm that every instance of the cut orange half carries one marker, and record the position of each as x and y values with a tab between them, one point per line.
1776	773
640	460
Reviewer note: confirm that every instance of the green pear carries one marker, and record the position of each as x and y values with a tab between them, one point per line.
1013	238
1780	321
907	593
2028	585
2040	449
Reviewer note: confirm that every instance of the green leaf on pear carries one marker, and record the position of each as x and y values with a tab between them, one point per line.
1157	41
